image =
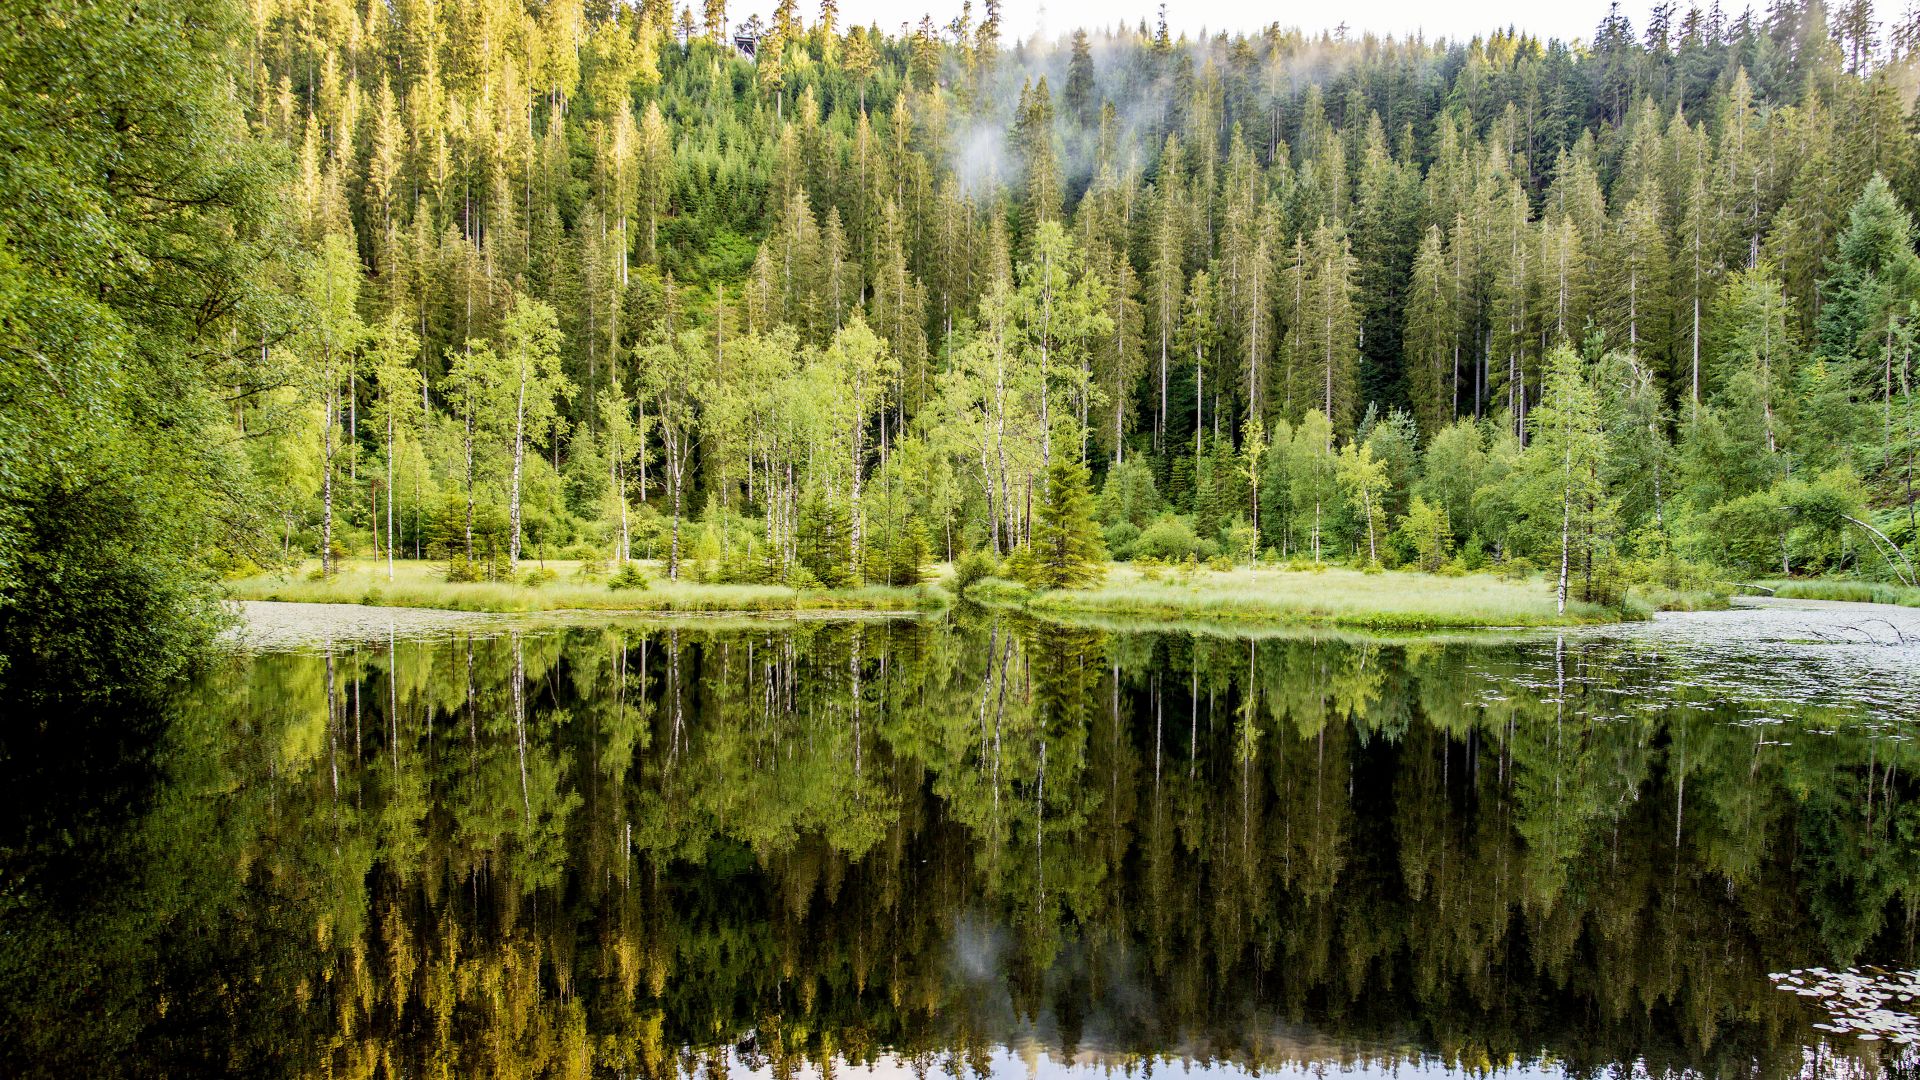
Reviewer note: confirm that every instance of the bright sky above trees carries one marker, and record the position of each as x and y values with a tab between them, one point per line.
1459	19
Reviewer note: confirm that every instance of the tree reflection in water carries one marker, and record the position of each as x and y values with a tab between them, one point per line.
962	847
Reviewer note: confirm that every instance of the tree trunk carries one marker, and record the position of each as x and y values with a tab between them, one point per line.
469	479
673	560
519	453
326	486
1566	530
390	499
853	491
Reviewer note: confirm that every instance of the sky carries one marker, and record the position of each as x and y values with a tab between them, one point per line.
1436	18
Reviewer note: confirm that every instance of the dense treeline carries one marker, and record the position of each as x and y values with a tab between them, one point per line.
579	276
625	851
594	281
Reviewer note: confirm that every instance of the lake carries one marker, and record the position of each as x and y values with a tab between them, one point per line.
979	845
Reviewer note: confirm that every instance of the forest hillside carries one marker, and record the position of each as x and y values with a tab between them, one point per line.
790	301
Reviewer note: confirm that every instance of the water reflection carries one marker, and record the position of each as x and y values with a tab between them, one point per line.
992	847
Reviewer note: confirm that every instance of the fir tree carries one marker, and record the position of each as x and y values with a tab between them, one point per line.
1065	551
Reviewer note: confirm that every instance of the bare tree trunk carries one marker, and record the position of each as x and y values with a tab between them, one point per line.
390	540
326	483
469	448
673	561
519	453
1566	529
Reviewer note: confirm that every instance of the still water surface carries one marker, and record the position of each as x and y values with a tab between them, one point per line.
983	846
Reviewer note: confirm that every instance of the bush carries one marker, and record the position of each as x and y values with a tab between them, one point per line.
1167	538
970	568
629	576
1242	542
1220	563
799	577
591	565
1120	537
539	576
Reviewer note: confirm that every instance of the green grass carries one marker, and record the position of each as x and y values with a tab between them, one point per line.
424	585
1331	597
1859	592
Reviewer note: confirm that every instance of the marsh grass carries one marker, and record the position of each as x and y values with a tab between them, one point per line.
424	585
1859	592
1332	597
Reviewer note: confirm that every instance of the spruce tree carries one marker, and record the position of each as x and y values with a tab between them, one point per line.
1065	551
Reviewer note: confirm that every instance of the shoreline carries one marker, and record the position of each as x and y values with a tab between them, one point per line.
1328	597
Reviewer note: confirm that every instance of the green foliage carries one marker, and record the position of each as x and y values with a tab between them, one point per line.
825	540
1129	494
656	297
1168	539
1427	534
136	247
899	555
1065	551
1120	537
628	577
971	568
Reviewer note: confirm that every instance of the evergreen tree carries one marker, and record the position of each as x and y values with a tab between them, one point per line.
1065	550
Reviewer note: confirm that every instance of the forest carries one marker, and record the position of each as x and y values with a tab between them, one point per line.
792	302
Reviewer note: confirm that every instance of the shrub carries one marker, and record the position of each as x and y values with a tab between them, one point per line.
591	564
1220	563
799	577
462	569
970	568
1167	538
1120	537
539	576
1242	542
629	576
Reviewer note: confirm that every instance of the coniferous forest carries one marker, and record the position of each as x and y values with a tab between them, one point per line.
797	302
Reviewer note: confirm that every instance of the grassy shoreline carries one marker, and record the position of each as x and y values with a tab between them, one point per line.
423	585
1858	592
1334	596
1391	601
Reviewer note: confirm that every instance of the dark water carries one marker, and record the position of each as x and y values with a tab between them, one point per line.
972	846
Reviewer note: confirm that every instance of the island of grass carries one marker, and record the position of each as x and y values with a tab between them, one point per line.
1328	596
562	586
